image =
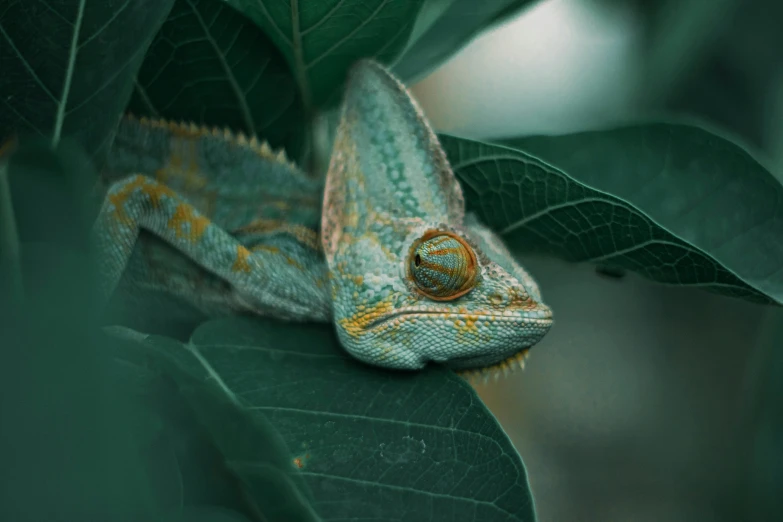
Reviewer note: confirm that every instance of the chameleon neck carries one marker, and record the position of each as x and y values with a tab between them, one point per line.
231	179
240	190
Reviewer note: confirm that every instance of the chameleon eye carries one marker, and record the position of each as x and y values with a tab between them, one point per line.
443	266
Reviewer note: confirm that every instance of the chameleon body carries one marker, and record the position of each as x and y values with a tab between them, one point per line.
382	249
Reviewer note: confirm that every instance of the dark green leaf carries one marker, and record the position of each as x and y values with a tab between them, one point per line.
211	65
226	456
371	444
446	26
68	66
674	203
65	444
61	181
187	471
321	40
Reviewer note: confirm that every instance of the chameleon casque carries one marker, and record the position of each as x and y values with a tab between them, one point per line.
226	224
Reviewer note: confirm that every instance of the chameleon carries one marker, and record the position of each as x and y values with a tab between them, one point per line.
381	247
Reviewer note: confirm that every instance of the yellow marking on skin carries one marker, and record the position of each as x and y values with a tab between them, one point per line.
265	248
182	162
467	328
470	324
162	175
240	263
496	299
153	191
357	324
386	352
302	234
293	262
519	300
119	198
358	280
184	215
193	178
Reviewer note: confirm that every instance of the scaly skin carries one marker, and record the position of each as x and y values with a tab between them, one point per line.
243	217
403	274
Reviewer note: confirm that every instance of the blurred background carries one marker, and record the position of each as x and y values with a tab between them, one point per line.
645	402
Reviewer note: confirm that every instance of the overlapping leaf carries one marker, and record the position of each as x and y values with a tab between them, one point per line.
205	451
68	67
211	65
371	444
65	445
674	203
446	26
321	40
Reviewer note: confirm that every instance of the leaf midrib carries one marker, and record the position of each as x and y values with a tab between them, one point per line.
72	53
299	65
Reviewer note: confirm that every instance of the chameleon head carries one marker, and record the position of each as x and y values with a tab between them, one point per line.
413	279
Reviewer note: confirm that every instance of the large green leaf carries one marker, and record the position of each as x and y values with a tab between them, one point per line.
212	65
322	39
68	66
674	203
65	443
371	444
445	27
243	467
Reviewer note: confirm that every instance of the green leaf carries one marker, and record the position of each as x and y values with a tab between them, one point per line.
371	444
673	203
211	65
321	40
445	27
68	66
61	181
190	469
65	444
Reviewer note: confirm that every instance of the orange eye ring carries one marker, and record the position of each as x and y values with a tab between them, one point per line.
442	274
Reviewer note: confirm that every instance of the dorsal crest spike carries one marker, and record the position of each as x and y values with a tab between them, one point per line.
192	129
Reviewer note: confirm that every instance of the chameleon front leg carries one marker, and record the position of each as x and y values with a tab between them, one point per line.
283	281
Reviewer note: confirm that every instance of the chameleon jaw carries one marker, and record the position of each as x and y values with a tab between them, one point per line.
502	354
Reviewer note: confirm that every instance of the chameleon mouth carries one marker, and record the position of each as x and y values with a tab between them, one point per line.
545	319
